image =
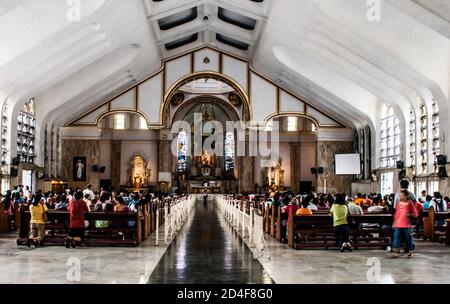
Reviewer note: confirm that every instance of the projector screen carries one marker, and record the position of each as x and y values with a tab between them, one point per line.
347	164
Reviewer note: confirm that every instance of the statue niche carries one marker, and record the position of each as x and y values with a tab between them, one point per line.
139	173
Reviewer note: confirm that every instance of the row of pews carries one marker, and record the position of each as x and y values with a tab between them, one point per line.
118	233
367	230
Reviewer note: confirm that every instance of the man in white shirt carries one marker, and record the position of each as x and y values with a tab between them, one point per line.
354	209
89	192
376	208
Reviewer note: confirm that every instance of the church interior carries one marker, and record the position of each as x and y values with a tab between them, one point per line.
137	133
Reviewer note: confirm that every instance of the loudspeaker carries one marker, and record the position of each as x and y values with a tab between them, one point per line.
16	161
313	171
400	164
441	160
102	169
401	174
442	172
14	172
95	168
320	170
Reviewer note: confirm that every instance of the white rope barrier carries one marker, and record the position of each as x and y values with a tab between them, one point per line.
249	225
176	212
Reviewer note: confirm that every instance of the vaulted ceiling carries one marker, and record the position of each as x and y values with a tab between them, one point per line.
329	51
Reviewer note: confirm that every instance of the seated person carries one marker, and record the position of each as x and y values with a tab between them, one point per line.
122	206
447	201
376	206
353	208
304	210
63	203
427	202
439	206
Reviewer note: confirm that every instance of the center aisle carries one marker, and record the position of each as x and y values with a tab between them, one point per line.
207	251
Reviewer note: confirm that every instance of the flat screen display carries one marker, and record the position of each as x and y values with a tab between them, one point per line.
347	164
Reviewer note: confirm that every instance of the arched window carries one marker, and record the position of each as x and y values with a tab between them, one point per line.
390	137
423	161
26	133
292	124
412	140
119	122
229	152
436	133
182	151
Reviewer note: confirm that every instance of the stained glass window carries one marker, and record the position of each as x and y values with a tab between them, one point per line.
229	152
182	151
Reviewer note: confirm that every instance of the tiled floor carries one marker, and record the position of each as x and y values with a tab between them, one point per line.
207	251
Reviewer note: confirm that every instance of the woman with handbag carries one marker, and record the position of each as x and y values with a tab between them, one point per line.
38	211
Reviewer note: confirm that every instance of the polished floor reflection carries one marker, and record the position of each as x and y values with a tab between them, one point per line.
207	251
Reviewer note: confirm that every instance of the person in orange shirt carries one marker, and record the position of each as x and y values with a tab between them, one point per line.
304	211
359	199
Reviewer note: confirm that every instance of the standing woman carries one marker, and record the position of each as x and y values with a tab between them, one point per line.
339	212
404	212
38	211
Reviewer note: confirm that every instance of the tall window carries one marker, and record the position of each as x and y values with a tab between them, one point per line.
229	152
269	126
423	138
5	149
292	124
143	123
182	151
26	133
387	183
119	121
390	137
412	140
436	133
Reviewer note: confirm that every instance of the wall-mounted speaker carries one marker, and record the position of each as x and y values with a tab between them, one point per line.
95	168
320	170
102	169
16	161
442	172
401	174
313	171
441	160
14	172
400	165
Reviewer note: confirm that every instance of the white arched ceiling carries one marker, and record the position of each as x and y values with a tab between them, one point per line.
324	50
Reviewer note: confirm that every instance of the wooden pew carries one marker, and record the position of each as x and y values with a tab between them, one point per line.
3	219
316	231
58	225
429	227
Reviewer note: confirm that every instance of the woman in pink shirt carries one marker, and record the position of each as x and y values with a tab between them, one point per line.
404	211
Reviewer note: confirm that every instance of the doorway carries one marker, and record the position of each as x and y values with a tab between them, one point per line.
27	179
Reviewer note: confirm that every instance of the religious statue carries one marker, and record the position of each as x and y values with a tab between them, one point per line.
206	159
139	172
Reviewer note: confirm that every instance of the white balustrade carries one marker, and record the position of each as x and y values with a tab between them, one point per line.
176	212
248	225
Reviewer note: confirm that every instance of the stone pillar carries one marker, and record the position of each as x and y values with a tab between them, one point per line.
295	166
116	155
165	157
